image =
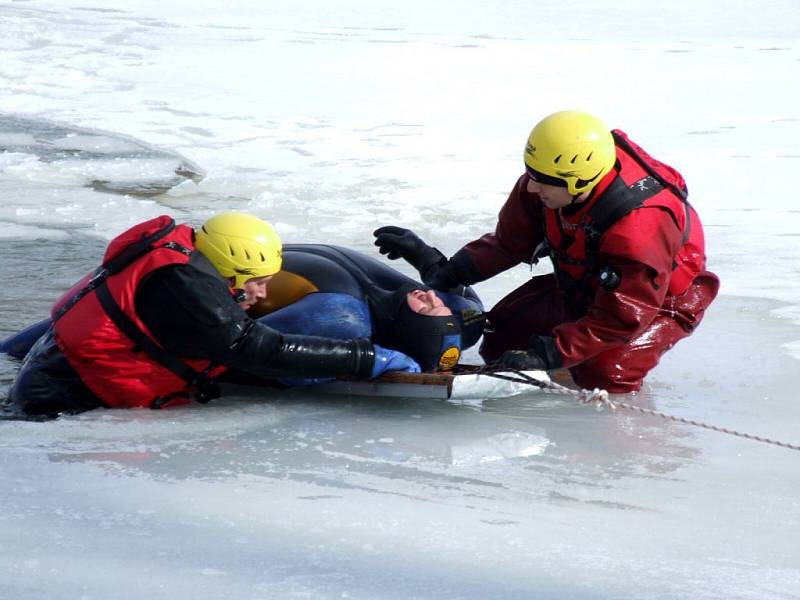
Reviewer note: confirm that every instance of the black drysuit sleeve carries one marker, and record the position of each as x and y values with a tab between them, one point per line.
189	310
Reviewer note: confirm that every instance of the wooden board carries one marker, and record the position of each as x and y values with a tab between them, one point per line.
433	386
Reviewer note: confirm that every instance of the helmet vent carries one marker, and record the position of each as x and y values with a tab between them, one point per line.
588	158
247	254
261	254
231	250
557	158
574	158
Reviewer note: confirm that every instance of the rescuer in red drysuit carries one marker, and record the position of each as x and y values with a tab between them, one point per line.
628	253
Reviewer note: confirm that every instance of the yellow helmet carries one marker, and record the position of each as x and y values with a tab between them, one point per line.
570	148
240	246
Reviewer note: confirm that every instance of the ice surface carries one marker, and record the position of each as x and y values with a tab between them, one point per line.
333	118
475	388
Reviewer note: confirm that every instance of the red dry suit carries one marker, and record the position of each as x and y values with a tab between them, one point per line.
103	339
629	272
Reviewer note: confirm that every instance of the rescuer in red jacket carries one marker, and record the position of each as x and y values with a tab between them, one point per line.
164	315
627	249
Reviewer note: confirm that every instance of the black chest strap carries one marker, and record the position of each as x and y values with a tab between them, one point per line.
680	192
618	201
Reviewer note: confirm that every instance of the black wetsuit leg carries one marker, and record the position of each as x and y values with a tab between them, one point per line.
47	385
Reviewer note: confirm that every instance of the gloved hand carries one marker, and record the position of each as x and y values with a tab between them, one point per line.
396	242
542	355
392	360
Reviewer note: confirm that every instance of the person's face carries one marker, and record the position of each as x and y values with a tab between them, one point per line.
255	289
427	303
553	196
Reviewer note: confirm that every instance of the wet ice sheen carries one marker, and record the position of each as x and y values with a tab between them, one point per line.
331	120
101	160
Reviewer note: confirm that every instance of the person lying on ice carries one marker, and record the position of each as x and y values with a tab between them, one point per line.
341	293
164	315
630	276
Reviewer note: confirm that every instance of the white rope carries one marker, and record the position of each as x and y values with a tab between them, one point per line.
600	400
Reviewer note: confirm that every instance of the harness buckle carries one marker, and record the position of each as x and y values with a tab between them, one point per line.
609	278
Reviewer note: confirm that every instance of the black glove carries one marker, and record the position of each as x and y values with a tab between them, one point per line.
434	269
396	242
542	355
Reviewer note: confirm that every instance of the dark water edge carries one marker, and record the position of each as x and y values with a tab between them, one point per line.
57	143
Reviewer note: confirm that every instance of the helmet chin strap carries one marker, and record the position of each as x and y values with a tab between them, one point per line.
590	193
575	198
238	294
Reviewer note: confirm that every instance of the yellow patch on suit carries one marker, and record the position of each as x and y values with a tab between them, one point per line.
449	359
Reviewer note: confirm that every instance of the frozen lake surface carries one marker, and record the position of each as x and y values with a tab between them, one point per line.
332	119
